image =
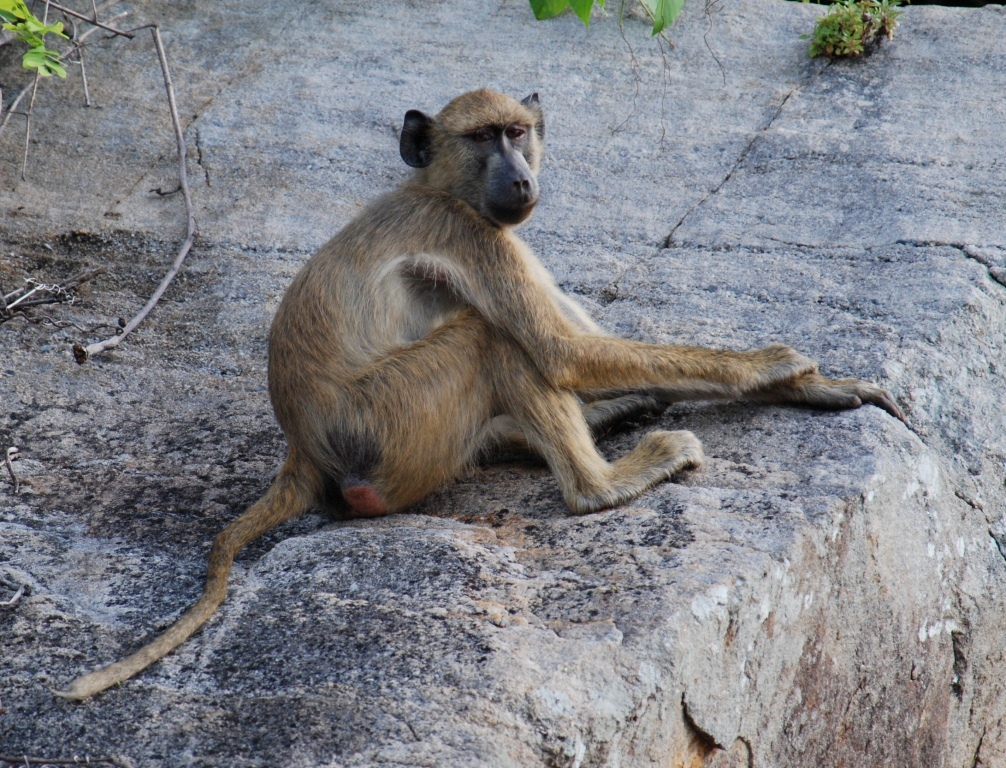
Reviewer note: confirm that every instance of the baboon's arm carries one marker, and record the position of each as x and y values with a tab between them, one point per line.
496	274
497	279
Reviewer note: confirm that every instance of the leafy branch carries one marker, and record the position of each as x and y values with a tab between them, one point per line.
16	307
661	12
17	18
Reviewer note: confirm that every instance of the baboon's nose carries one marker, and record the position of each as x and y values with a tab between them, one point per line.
522	187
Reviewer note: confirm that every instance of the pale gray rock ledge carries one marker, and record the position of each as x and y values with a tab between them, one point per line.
827	591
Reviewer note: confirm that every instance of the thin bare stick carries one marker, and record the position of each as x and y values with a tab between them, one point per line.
11	457
121	762
82	277
712	6
13	106
25	589
661	39
17	596
54	297
93	21
27	125
79	42
79	60
633	67
58	324
81	353
61	291
83	76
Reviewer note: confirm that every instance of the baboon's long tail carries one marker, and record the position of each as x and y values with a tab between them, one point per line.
287	497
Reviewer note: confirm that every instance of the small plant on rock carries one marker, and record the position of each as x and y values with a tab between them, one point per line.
17	18
661	12
854	27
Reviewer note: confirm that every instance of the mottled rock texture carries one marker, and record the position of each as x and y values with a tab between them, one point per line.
827	591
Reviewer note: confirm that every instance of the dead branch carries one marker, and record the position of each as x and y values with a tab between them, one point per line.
10	457
27	124
78	48
78	42
82	353
713	7
13	107
633	67
59	293
94	21
120	762
20	590
59	324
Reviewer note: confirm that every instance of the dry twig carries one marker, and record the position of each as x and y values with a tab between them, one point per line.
82	353
120	762
14	303
21	590
94	21
27	125
10	458
713	7
61	325
633	67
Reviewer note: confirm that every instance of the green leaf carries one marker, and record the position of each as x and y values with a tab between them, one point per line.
664	12
15	8
582	9
55	68
36	26
43	60
546	9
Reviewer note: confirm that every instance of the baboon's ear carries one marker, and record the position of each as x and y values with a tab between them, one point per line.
531	102
415	144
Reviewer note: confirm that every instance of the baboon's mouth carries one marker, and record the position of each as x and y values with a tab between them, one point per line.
509	215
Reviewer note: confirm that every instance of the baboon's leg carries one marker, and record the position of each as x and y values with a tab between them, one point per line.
433	405
419	416
556	429
601	415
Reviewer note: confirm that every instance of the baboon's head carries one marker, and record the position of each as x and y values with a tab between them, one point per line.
483	147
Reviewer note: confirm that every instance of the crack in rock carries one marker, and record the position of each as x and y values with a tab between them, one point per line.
996	272
669	240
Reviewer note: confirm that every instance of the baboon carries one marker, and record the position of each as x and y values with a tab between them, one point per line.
426	331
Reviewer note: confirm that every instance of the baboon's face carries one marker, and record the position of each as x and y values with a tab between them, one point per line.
484	148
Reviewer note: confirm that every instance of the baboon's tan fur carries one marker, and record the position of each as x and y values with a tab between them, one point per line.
425	331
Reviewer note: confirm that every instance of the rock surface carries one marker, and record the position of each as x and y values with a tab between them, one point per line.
827	591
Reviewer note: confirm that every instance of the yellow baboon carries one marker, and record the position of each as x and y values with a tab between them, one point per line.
426	331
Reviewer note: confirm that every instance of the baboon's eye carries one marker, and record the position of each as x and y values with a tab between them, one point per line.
514	132
483	134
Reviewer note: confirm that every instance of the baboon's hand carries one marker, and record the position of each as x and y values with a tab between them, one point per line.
778	363
820	392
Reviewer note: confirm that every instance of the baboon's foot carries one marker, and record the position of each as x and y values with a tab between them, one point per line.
659	456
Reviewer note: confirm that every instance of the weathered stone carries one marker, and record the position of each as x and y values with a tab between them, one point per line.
827	591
